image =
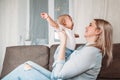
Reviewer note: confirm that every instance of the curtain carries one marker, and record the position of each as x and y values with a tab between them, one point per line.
13	22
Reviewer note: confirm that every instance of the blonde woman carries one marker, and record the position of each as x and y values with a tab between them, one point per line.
83	64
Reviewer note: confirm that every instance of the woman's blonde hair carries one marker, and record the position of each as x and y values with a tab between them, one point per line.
61	19
105	39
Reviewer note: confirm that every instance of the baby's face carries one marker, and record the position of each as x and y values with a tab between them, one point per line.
69	22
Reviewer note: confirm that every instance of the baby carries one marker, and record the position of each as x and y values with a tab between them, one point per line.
64	22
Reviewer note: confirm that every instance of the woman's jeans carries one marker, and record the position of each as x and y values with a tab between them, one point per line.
36	73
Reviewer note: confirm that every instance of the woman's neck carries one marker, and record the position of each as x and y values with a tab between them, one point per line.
91	39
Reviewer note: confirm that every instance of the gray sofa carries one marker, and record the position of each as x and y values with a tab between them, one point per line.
43	55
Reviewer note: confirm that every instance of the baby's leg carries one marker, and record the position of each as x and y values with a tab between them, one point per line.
68	52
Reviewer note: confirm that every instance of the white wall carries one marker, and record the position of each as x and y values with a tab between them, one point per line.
83	11
8	23
13	23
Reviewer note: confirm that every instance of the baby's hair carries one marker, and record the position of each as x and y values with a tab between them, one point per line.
61	19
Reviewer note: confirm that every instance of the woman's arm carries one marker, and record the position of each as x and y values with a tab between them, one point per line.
83	61
63	38
50	20
61	54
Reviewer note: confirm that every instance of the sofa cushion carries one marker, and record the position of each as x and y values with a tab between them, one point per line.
17	55
112	71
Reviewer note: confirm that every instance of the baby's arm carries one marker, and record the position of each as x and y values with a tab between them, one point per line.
50	20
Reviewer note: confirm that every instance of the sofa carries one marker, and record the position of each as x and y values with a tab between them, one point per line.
43	55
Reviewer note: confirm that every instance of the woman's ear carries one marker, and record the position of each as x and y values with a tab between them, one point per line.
98	31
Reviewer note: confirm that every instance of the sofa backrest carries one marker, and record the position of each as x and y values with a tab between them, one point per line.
113	70
17	55
52	51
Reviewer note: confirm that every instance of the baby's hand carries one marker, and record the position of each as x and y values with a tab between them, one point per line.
76	35
44	15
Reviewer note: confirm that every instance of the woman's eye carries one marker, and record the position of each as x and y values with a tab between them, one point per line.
89	24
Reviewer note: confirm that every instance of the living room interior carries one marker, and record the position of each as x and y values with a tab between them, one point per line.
21	24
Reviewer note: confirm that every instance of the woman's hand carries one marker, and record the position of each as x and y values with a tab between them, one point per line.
63	37
44	15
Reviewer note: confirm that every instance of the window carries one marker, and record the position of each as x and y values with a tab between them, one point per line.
38	26
40	32
60	7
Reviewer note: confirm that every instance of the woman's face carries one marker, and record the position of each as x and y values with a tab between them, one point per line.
91	30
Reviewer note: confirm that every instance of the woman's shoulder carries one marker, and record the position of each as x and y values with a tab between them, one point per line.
90	49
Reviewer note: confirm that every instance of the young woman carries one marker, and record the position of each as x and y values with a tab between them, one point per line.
83	64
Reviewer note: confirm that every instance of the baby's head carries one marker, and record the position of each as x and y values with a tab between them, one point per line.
66	21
